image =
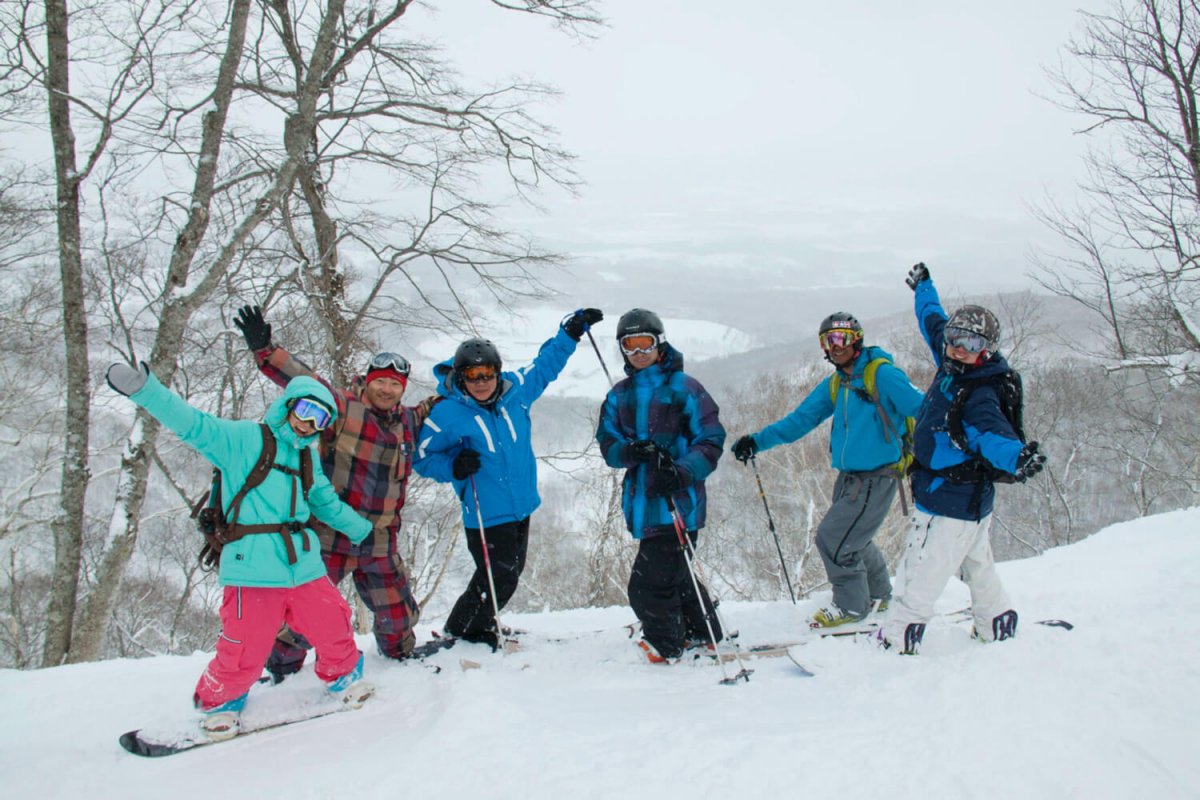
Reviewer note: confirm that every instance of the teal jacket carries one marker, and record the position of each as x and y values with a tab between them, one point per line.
858	440
233	446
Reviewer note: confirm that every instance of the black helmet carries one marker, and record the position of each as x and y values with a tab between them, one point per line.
978	320
841	320
639	320
475	352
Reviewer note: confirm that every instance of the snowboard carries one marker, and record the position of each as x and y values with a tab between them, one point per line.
156	744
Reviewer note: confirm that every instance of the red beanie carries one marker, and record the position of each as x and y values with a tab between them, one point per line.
387	372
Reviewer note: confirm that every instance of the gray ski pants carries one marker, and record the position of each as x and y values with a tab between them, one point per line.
856	569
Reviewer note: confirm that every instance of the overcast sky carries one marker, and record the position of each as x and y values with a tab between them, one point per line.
838	139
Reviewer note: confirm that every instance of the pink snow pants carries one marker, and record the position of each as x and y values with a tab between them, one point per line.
250	620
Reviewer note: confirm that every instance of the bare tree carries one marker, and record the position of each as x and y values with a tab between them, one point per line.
1134	241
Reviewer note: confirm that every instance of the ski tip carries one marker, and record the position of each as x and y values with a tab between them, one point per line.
1057	623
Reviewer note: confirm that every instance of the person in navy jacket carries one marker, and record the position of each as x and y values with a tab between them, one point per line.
477	438
951	491
663	428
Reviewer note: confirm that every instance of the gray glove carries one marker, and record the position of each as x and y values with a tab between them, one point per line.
918	273
126	379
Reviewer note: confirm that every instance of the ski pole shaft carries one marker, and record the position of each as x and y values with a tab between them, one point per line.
603	366
771	525
487	564
689	556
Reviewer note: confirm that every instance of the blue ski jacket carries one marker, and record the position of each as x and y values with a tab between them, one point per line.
500	432
662	404
989	433
858	440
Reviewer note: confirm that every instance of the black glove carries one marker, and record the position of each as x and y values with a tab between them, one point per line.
918	273
466	463
126	379
745	448
642	451
578	323
257	330
665	479
1029	463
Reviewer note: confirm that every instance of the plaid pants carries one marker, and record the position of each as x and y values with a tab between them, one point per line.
385	588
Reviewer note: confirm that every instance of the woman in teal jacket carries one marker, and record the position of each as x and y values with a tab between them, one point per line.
268	580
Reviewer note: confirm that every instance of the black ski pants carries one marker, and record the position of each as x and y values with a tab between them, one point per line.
663	597
473	617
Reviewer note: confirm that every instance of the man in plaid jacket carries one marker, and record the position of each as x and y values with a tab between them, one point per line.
367	456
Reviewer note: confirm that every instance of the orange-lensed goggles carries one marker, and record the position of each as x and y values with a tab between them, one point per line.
839	337
481	373
638	343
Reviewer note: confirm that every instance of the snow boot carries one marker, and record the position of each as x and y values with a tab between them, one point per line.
832	617
652	655
351	688
224	721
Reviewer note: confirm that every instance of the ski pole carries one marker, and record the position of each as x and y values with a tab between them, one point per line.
771	525
603	366
487	565
689	555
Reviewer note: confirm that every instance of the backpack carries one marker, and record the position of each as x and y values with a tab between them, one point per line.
219	530
1011	392
871	395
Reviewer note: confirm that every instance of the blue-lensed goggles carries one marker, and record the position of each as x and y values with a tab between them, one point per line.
309	410
391	361
968	340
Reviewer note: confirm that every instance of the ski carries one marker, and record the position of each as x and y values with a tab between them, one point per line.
805	672
156	744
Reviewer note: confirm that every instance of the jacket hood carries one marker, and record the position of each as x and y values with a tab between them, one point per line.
276	416
671	360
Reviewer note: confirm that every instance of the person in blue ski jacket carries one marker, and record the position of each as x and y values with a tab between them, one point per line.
663	428
952	490
866	446
478	439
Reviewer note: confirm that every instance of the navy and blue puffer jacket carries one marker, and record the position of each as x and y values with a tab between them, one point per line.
989	434
499	432
662	404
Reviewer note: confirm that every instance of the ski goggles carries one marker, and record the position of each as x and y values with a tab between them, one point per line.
839	337
967	340
639	343
312	412
392	361
480	373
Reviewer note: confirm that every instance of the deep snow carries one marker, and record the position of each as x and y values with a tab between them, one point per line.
1108	710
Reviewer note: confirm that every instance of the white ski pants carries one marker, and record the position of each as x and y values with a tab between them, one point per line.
937	548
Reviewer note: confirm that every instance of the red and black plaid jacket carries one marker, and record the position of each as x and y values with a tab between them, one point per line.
366	454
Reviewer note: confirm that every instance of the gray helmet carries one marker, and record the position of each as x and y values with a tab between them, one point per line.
474	352
841	320
639	320
977	320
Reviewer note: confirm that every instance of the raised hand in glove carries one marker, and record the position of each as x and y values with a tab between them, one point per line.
1029	463
581	321
918	273
643	451
466	464
745	448
126	379
253	326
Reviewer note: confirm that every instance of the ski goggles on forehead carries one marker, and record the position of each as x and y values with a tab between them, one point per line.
638	343
391	361
479	374
839	337
967	340
312	412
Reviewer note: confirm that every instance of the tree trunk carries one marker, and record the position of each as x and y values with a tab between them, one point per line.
68	524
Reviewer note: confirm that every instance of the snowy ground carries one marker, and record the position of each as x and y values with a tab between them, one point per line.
1108	710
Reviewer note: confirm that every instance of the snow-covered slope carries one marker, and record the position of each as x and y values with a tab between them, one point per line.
1108	710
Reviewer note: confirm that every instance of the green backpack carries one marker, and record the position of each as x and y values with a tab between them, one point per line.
871	395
